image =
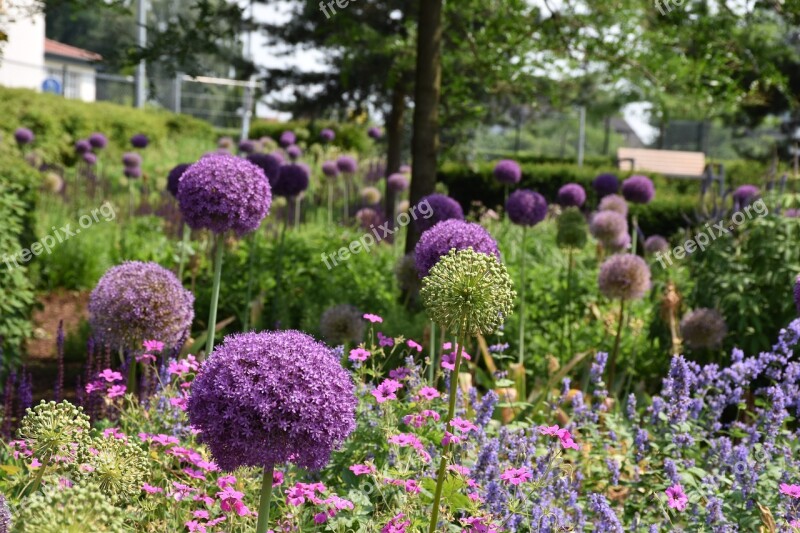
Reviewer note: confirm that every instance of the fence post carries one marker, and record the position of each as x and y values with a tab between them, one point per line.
141	74
177	92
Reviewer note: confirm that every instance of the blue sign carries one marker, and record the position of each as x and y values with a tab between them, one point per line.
51	85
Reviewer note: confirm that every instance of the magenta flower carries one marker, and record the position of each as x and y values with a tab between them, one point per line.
449	438
790	490
385	341
396	524
399	373
362	469
429	393
414	345
516	476
359	354
677	498
386	390
231	500
110	376
150	489
548	430
566	439
464	426
153	346
373	318
412	486
116	390
449	360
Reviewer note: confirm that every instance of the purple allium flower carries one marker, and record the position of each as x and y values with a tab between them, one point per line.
294	152
174	177
614	202
703	328
605	184
269	163
246	146
608	227
638	189
131	159
137	301
655	244
223	192
526	208
797	293
744	195
624	276
287	138
140	140
330	169
442	208
225	143
347	164
98	140
24	136
405	169
375	133
82	146
292	180
132	172
571	195
397	182
89	158
367	217
370	195
5	516
508	172
263	399
327	135
448	235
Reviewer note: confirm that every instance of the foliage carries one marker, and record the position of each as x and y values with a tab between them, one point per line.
350	137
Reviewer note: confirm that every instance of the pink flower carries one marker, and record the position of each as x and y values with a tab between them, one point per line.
677	498
449	438
790	490
224	481
194	474
180	402
385	341
150	489
459	469
110	376
201	513
114	432
153	346
35	463
396	525
464	426
231	500
566	439
414	345
429	393
404	439
548	430
93	386
386	390
146	358
164	440
320	518
116	391
515	476
449	360
362	469
399	373
412	486
359	354
373	318
447	346
195	526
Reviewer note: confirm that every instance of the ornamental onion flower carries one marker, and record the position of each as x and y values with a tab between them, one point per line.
744	195
614	202
342	324
327	135
655	244
140	140
270	164
608	227
375	133
132	172
605	184
98	140
294	152
174	177
508	172
117	466
89	158
451	235
370	195
571	195
625	277
287	138
347	164
330	169
526	208
638	189
137	301
71	509
703	328
53	430
292	180
397	182
571	229
23	136
442	208
246	146
82	146
131	159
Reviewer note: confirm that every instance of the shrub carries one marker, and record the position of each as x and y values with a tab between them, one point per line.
349	137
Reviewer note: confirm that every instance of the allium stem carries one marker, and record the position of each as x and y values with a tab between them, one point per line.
187	233
437	497
212	316
432	367
522	254
612	366
634	237
266	497
297	211
330	202
569	303
346	194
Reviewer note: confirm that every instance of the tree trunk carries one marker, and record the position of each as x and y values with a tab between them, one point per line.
425	143
394	139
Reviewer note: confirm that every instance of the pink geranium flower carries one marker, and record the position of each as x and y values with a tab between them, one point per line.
153	346
150	489
790	490
110	376
414	345
548	430
375	319
386	390
566	439
464	426
516	476
116	390
361	470
677	498
359	354
449	360
399	373
429	393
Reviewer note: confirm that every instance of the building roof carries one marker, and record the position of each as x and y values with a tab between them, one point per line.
56	48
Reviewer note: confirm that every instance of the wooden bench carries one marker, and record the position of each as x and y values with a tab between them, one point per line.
671	163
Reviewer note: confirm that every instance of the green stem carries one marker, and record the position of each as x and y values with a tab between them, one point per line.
266	497
37	481
522	254
250	259
635	235
297	211
432	351
437	497
569	304
346	198
187	233
612	366
212	316
330	202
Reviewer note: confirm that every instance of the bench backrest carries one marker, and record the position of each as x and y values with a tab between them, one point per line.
667	162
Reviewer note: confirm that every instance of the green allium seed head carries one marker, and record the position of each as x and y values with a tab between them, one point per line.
117	467
571	229
465	284
54	430
77	509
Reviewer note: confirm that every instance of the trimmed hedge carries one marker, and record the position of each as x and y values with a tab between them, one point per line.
18	183
349	137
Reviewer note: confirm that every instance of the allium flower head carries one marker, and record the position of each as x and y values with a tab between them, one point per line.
246	146
397	182
341	324
330	169
605	184
655	244
5	516
53	429
508	172
468	286
140	140
526	208
703	328
292	180
117	466
263	399
174	177
371	195
375	133
614	202
608	226
132	172
223	192
624	276
98	140
89	158
638	189
53	183
75	509
442	208
287	138
406	272
571	195
327	135
294	152
571	229
270	164
451	235
24	136
82	146
367	216
347	164
225	143
745	194
136	301
131	159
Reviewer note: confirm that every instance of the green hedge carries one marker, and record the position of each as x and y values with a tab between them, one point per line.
18	183
58	123
349	137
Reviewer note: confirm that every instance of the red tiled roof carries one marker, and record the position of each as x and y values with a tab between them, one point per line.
64	50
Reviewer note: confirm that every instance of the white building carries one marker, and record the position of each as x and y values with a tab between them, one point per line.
29	60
